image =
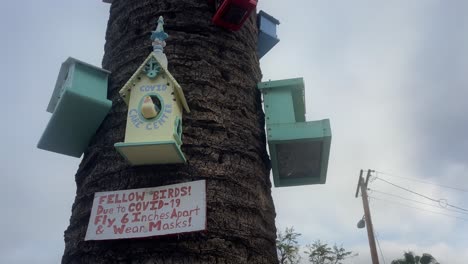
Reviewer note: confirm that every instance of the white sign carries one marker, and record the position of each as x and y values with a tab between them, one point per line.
170	209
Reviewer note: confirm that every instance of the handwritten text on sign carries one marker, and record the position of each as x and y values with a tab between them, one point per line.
171	209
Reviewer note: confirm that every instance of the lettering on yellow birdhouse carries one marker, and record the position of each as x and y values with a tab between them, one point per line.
155	102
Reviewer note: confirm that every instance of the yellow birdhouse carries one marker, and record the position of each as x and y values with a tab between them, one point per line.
155	102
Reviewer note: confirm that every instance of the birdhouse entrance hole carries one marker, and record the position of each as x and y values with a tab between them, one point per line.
299	159
151	109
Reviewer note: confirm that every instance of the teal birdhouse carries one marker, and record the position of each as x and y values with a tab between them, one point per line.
299	150
78	105
156	102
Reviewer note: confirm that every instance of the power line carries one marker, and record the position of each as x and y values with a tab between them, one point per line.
408	190
416	201
380	249
421	209
422	181
440	201
377	239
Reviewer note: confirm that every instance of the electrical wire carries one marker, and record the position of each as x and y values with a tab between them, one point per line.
378	244
376	233
443	203
440	201
422	181
419	202
417	208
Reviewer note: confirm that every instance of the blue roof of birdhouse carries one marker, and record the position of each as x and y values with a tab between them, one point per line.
269	17
125	91
62	77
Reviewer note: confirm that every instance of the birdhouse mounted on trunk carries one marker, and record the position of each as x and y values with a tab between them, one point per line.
299	150
231	14
78	105
267	37
155	102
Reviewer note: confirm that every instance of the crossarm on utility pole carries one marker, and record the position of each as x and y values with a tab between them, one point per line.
359	184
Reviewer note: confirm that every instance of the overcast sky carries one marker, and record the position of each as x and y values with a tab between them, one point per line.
392	76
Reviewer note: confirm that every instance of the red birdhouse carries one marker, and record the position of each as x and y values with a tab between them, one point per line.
231	14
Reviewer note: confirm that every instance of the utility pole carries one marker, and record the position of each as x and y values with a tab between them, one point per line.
365	203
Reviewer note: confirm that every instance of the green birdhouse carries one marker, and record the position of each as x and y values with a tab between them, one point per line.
155	102
299	150
78	105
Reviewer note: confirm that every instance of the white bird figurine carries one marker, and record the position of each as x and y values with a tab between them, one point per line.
148	108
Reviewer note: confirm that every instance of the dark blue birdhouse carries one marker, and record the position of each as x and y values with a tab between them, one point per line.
267	38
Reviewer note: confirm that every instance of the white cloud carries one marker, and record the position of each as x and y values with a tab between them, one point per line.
360	70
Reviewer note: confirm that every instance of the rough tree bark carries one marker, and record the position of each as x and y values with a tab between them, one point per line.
224	140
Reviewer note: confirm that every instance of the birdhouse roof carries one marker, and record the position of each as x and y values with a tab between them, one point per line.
296	87
268	16
64	69
125	91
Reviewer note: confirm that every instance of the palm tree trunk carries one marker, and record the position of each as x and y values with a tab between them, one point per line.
224	140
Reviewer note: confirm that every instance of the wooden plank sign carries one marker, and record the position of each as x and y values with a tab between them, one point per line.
171	209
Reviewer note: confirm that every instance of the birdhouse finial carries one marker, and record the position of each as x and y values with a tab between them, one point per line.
159	36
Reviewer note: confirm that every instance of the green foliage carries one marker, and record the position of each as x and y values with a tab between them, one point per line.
410	258
341	254
428	259
287	246
321	253
318	253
